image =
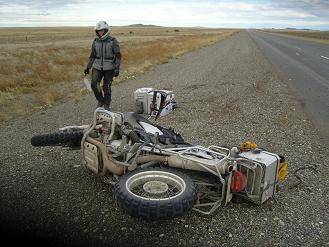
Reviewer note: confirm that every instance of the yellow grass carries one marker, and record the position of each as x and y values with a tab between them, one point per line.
318	36
42	66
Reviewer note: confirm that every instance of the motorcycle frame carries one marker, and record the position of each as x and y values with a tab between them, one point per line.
153	154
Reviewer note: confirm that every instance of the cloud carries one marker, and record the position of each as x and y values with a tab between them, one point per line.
42	4
212	13
316	8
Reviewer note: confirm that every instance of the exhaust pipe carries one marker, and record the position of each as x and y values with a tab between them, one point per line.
178	162
109	164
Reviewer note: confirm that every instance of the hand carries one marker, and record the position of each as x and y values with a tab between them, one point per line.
86	71
116	72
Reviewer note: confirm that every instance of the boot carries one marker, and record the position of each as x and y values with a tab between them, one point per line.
99	104
107	101
106	107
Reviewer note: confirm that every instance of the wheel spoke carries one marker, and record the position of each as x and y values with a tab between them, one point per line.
173	190
156	185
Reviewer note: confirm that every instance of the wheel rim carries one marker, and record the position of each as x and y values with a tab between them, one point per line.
155	185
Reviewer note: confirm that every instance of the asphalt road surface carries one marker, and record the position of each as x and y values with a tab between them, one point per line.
227	93
305	66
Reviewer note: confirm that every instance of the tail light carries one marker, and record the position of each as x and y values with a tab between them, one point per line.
239	182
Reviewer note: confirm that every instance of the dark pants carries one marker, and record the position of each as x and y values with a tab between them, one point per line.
97	75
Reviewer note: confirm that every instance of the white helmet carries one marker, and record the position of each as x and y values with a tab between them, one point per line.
102	25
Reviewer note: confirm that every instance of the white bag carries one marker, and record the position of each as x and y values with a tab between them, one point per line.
87	84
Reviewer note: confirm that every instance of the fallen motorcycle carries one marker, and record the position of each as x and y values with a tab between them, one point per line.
157	175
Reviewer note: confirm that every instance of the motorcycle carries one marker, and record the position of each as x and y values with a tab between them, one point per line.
156	174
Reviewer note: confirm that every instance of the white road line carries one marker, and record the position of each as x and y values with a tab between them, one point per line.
325	57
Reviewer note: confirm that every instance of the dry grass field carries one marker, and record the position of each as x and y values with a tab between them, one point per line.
320	36
40	67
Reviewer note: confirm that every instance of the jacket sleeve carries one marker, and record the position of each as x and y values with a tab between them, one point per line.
91	56
117	53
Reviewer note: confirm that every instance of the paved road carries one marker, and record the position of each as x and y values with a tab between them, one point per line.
305	65
227	93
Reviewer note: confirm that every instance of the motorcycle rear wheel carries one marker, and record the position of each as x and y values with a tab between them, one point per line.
155	193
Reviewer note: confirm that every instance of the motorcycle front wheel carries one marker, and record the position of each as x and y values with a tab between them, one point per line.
155	193
68	137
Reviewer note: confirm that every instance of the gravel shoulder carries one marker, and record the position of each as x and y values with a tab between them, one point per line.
227	93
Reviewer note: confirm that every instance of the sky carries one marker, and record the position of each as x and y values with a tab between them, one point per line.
312	14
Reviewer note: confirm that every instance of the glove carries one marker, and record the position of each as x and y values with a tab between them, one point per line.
86	71
116	72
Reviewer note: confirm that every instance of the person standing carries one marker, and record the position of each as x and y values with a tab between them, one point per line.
105	60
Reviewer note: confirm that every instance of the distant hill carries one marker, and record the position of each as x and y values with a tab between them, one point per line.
142	25
303	29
